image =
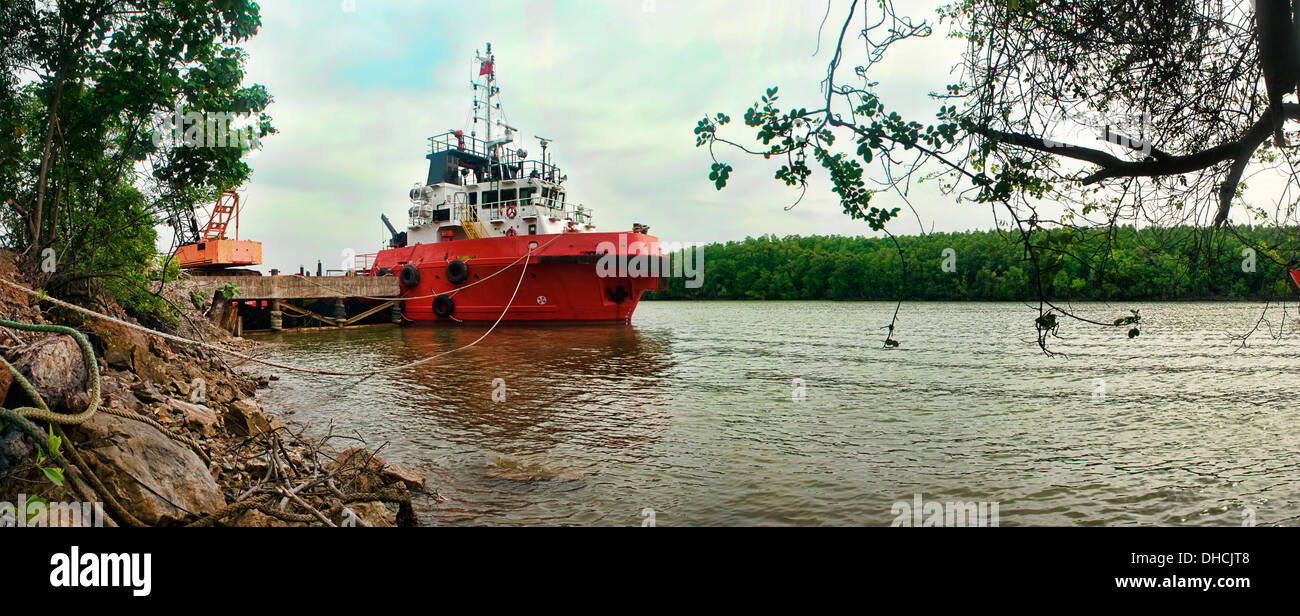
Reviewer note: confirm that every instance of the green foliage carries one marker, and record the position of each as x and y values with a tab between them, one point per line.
86	90
229	290
54	446
719	174
1147	264
1133	320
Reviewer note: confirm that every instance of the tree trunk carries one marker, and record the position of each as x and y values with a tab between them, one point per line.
34	221
1279	54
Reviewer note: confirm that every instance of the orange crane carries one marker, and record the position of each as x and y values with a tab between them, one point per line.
211	252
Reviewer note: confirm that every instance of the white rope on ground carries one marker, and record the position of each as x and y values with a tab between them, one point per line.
452	292
40	296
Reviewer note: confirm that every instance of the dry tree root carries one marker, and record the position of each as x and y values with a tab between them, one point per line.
300	484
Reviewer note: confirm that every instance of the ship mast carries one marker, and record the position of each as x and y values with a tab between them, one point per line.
488	75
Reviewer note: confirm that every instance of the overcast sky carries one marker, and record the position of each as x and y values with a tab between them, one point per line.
360	85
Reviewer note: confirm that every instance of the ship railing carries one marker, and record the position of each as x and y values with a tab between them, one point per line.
451	140
582	214
526	206
364	262
538	169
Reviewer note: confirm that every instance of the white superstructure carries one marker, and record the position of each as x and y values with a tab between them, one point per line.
488	187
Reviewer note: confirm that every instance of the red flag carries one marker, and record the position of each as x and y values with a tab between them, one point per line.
486	68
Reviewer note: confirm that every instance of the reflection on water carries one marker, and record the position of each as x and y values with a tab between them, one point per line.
690	412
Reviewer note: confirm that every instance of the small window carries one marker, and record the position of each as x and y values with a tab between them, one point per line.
473	198
532	229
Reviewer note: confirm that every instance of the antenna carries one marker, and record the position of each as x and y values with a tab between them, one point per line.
544	141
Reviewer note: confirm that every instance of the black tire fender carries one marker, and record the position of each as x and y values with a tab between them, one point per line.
457	271
410	276
443	306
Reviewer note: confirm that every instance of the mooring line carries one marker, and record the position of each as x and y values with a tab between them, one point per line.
453	291
40	296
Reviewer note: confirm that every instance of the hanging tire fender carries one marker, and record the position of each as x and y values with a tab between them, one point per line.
443	306
457	271
409	276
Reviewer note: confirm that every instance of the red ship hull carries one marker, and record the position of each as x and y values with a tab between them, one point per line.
563	281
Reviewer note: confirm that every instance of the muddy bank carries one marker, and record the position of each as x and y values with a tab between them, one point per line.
178	437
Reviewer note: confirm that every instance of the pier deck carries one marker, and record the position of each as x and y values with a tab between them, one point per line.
267	300
299	287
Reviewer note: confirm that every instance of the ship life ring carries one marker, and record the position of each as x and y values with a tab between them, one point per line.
410	276
443	306
511	232
457	271
511	212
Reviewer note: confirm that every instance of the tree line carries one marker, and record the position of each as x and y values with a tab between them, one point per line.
86	168
1123	263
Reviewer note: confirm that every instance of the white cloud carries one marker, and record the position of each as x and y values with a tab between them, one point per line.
618	87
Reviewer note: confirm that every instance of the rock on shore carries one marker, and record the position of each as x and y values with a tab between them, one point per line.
157	479
193	393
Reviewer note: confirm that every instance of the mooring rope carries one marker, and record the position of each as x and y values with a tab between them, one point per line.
452	292
22	418
68	459
40	296
42	410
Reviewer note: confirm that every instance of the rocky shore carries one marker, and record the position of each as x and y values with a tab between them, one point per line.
180	438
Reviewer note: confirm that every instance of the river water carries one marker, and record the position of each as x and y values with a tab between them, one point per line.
742	413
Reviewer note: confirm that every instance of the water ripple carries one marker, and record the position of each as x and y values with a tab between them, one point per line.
790	413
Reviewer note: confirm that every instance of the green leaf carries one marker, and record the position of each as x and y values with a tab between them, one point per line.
55	443
33	500
54	474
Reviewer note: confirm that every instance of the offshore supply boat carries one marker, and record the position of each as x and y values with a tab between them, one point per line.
485	212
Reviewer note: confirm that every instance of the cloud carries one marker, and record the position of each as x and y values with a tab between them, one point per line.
618	86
